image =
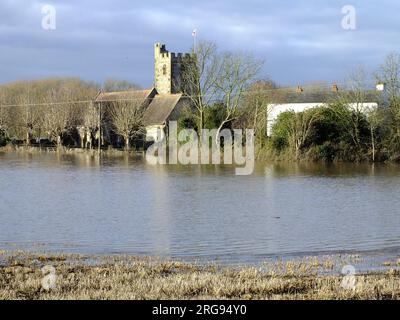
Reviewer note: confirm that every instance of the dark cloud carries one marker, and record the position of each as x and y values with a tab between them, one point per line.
301	41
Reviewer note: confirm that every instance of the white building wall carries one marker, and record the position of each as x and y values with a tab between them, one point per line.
155	133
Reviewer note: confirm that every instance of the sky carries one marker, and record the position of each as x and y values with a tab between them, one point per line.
301	41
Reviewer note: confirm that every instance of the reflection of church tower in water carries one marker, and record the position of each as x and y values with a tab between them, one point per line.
168	68
161	212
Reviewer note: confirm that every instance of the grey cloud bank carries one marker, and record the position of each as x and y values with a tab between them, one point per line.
300	41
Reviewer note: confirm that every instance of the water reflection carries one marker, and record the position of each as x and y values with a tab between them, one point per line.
119	204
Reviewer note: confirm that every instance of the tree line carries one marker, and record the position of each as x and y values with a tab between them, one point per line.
345	128
59	110
342	128
225	91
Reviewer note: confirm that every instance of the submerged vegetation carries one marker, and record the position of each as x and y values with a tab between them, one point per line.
126	277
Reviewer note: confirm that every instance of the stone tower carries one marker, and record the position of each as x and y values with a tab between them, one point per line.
168	68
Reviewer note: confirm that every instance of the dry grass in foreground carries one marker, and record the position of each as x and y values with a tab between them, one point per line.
123	277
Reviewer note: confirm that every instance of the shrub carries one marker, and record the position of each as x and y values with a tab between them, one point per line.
280	131
3	141
214	115
187	119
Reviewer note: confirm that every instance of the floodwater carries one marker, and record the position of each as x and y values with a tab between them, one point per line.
80	203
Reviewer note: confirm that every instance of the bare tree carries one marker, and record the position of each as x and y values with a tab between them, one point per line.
234	74
4	114
127	119
112	84
47	105
259	103
91	123
350	105
198	78
299	128
389	74
29	116
91	116
59	117
375	118
66	104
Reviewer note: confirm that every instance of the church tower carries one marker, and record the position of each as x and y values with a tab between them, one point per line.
167	69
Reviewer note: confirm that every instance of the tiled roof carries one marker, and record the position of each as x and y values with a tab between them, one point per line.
160	108
314	97
124	95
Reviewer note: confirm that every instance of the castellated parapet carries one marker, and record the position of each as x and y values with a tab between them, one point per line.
168	68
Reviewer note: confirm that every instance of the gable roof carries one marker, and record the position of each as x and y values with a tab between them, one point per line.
160	108
124	95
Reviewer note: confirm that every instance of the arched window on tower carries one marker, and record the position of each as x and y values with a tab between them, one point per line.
164	69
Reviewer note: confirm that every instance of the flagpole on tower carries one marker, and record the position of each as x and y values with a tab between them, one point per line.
194	35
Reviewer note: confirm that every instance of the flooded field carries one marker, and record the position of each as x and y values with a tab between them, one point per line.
121	205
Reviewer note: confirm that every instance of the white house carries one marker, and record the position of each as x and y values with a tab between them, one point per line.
278	108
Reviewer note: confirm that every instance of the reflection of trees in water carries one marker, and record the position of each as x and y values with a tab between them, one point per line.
332	170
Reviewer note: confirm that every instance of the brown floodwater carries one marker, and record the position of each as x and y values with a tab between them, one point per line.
80	203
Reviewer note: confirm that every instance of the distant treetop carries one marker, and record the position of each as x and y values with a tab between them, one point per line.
112	84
